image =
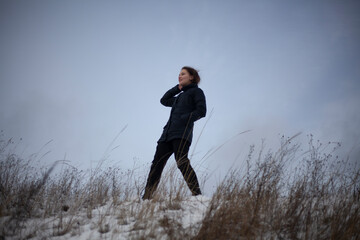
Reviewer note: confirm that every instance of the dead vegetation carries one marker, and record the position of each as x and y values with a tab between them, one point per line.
318	199
271	197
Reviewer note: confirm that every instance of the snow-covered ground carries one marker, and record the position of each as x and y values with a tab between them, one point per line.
136	219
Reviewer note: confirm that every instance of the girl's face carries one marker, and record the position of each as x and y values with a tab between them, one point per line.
185	78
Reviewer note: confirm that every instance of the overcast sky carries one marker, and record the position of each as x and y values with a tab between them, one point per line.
78	72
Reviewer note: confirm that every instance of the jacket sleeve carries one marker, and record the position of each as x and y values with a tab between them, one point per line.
168	99
200	106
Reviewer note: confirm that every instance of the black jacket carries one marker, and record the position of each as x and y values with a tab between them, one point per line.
186	108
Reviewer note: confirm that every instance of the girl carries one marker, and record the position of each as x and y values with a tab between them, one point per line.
187	102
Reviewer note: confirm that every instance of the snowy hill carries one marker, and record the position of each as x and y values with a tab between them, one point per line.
318	200
135	219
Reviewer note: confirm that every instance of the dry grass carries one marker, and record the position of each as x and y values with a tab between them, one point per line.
317	200
269	198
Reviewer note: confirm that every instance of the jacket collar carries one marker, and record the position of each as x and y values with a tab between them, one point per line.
192	85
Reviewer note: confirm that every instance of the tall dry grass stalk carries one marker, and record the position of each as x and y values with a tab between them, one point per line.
319	199
61	198
269	198
27	192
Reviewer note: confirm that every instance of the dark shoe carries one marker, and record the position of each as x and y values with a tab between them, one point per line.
196	192
146	196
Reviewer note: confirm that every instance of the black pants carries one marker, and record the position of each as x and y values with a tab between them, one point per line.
163	152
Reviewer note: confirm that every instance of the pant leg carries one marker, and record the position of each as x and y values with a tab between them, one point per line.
162	154
181	149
